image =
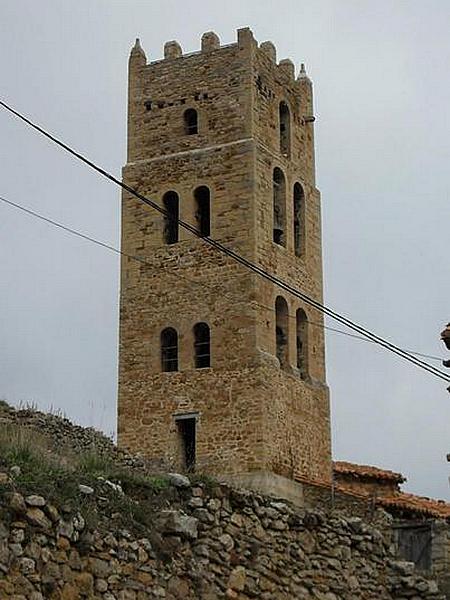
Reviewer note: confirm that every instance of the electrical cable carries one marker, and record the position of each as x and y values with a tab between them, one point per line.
239	258
142	260
178	275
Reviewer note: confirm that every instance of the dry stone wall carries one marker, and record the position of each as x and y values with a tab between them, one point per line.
62	434
440	554
199	540
205	544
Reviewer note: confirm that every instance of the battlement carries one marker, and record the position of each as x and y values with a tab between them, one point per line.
220	94
210	42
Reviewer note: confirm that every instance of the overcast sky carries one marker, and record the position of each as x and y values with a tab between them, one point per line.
381	77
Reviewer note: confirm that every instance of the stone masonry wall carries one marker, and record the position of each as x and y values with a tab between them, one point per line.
251	414
368	486
322	497
206	544
440	554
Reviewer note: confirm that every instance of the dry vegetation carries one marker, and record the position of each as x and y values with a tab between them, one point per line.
57	475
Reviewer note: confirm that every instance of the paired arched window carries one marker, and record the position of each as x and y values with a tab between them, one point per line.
282	337
169	349
202	345
282	331
279	207
190	121
285	129
171	205
299	219
202	198
302	343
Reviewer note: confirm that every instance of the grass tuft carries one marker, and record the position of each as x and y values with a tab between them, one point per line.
57	474
4	405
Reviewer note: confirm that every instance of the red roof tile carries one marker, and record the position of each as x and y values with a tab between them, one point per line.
400	501
341	467
416	504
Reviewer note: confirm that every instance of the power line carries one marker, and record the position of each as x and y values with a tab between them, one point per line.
363	339
72	231
239	258
255	268
142	260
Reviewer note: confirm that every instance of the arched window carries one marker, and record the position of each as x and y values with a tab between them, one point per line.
285	129
302	343
282	331
190	121
169	349
203	210
171	206
202	345
279	207
299	219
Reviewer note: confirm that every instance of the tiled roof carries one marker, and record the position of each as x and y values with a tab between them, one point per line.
341	467
417	504
410	504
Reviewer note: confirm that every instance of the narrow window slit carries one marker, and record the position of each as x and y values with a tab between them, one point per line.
302	343
285	129
279	207
202	345
171	206
282	332
203	210
169	350
299	219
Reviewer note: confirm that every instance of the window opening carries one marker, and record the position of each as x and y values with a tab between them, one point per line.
190	121
299	219
169	349
202	345
203	210
279	207
285	129
302	343
187	435
171	206
282	332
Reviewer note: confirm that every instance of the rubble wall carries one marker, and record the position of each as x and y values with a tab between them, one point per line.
204	543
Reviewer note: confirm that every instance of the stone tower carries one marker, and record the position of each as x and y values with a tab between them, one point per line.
220	370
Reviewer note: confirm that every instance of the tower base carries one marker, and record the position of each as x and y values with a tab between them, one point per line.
269	484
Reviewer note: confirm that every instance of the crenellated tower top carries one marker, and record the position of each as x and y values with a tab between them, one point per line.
210	41
244	75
